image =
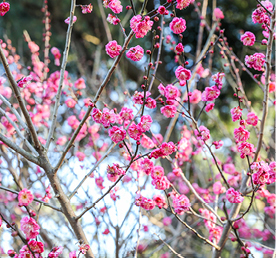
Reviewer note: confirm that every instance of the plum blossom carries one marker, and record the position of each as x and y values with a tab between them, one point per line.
181	204
161	183
179	48
55	252
178	25
218	14
236	113
233	196
241	135
169	111
252	119
67	20
114	5
113	49
117	134
36	247
181	4
255	61
160	201
145	123
248	38
80	84
57	55
209	107
141	26
210	93
4	8
25	197
182	74
29	227
86	8
245	148
135	53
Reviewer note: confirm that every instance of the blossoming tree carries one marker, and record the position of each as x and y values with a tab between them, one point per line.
82	171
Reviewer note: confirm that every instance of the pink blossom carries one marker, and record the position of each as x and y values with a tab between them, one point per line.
252	119
147	166
141	26
169	111
113	49
29	227
218	188
215	234
270	211
161	183
259	16
160	201
167	221
181	4
145	123
97	115
248	38
70	103
151	103
157	172
146	142
236	113
80	84
135	131
147	204
126	113
114	5
108	117
57	55
203	134
36	247
210	93
167	148
241	135
67	20
245	148
218	14
209	107
162	10
99	182
183	75
73	122
112	19
161	89
233	196
80	155
4	8
55	252
86	8
178	25
83	248
115	170
229	168
194	97
181	204
25	197
24	81
255	61
179	48
171	92
73	254
135	53
117	134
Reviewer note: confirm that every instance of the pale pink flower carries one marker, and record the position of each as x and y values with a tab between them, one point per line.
147	204
83	248
113	49
80	155
248	38
33	47
171	92
80	84
25	197
99	182
117	134
73	254
167	221
70	103
252	119
241	135
218	188
203	134
194	97
236	113
169	111
135	131
218	14
29	227
229	168
145	123
157	172
183	75
73	122
57	55
178	25
126	113
161	183
67	20
215	234
141	26
4	8
135	53
255	61
97	115
233	196
112	19
167	148
147	166
151	103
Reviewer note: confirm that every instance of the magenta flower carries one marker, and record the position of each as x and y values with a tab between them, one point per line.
169	111
135	53
114	5
248	38
218	14
182	74
141	26
245	148
241	135
67	20
181	4
29	227
117	134
4	8
37	247
233	196
178	25
113	19
113	49
236	113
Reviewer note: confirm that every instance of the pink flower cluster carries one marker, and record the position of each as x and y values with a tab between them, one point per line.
236	113
218	14
114	172
245	148
117	134
113	49
203	133
135	53
160	201
141	26
259	15
145	203
264	173
164	150
86	8
138	99
181	4
241	135
255	61
234	196
57	55
159	180
25	197
114	5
